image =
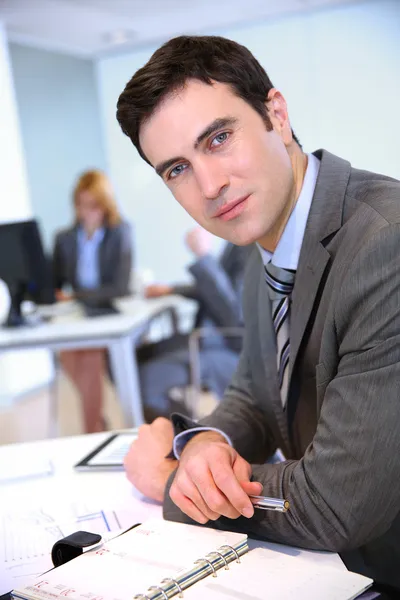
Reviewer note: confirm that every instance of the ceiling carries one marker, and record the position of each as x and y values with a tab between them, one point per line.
93	28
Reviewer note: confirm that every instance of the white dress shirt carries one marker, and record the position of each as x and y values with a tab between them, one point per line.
286	256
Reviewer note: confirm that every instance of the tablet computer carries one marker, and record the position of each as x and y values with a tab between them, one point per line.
109	455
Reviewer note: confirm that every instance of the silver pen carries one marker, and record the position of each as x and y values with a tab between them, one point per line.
266	503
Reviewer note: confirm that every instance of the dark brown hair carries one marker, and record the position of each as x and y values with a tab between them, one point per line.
205	58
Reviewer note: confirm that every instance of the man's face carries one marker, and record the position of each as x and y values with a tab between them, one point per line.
214	152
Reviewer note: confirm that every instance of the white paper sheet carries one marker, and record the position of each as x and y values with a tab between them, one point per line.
17	464
27	537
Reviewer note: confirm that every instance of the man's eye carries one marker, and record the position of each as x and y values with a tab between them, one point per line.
219	139
176	171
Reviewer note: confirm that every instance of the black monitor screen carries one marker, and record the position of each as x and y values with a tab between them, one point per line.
23	264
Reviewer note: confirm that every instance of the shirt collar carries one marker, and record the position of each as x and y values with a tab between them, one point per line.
287	252
96	238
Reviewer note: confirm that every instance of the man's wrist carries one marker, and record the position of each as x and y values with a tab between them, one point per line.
170	468
182	438
205	436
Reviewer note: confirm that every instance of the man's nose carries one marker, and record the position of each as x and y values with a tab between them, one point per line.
212	179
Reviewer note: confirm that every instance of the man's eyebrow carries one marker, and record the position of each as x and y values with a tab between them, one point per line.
166	164
217	124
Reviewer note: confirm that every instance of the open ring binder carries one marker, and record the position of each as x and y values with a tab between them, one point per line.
176	584
232	550
214	574
226	566
203	567
156	587
133	566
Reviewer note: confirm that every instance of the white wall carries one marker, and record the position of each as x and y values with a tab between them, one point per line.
58	110
339	71
19	371
14	204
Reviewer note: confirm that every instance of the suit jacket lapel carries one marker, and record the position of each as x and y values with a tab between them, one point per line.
103	257
225	257
325	219
73	256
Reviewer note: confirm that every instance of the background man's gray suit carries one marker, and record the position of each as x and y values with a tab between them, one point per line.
341	430
164	367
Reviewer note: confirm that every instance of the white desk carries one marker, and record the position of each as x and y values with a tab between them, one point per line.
107	489
110	490
118	333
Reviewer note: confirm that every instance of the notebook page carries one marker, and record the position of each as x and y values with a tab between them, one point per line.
264	574
321	558
130	564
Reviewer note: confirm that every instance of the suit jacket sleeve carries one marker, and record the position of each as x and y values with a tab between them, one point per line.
344	492
188	291
119	286
218	293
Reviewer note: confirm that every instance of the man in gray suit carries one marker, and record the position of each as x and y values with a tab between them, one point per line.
164	366
319	372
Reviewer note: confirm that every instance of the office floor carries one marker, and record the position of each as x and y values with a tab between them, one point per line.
28	418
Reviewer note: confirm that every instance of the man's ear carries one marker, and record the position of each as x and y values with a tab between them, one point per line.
278	115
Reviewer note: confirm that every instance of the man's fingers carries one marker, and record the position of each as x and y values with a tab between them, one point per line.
228	484
252	488
212	497
186	505
189	490
242	469
200	474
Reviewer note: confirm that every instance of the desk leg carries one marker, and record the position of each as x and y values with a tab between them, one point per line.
53	398
126	378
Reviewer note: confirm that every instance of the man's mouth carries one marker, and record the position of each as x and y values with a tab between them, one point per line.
232	209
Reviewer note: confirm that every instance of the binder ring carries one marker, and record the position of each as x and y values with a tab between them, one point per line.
156	587
214	573
232	550
176	584
226	566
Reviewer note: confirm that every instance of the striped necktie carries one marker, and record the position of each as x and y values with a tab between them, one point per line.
280	284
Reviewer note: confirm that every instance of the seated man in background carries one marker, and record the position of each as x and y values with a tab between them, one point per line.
164	366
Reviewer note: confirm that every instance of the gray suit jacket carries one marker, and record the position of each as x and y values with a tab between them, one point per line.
115	257
341	430
218	288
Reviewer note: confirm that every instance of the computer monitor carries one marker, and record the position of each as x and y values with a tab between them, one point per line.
24	267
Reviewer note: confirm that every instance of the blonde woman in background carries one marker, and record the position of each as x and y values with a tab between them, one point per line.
94	259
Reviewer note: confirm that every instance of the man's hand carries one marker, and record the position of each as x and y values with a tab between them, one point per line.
145	464
157	290
199	241
213	480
